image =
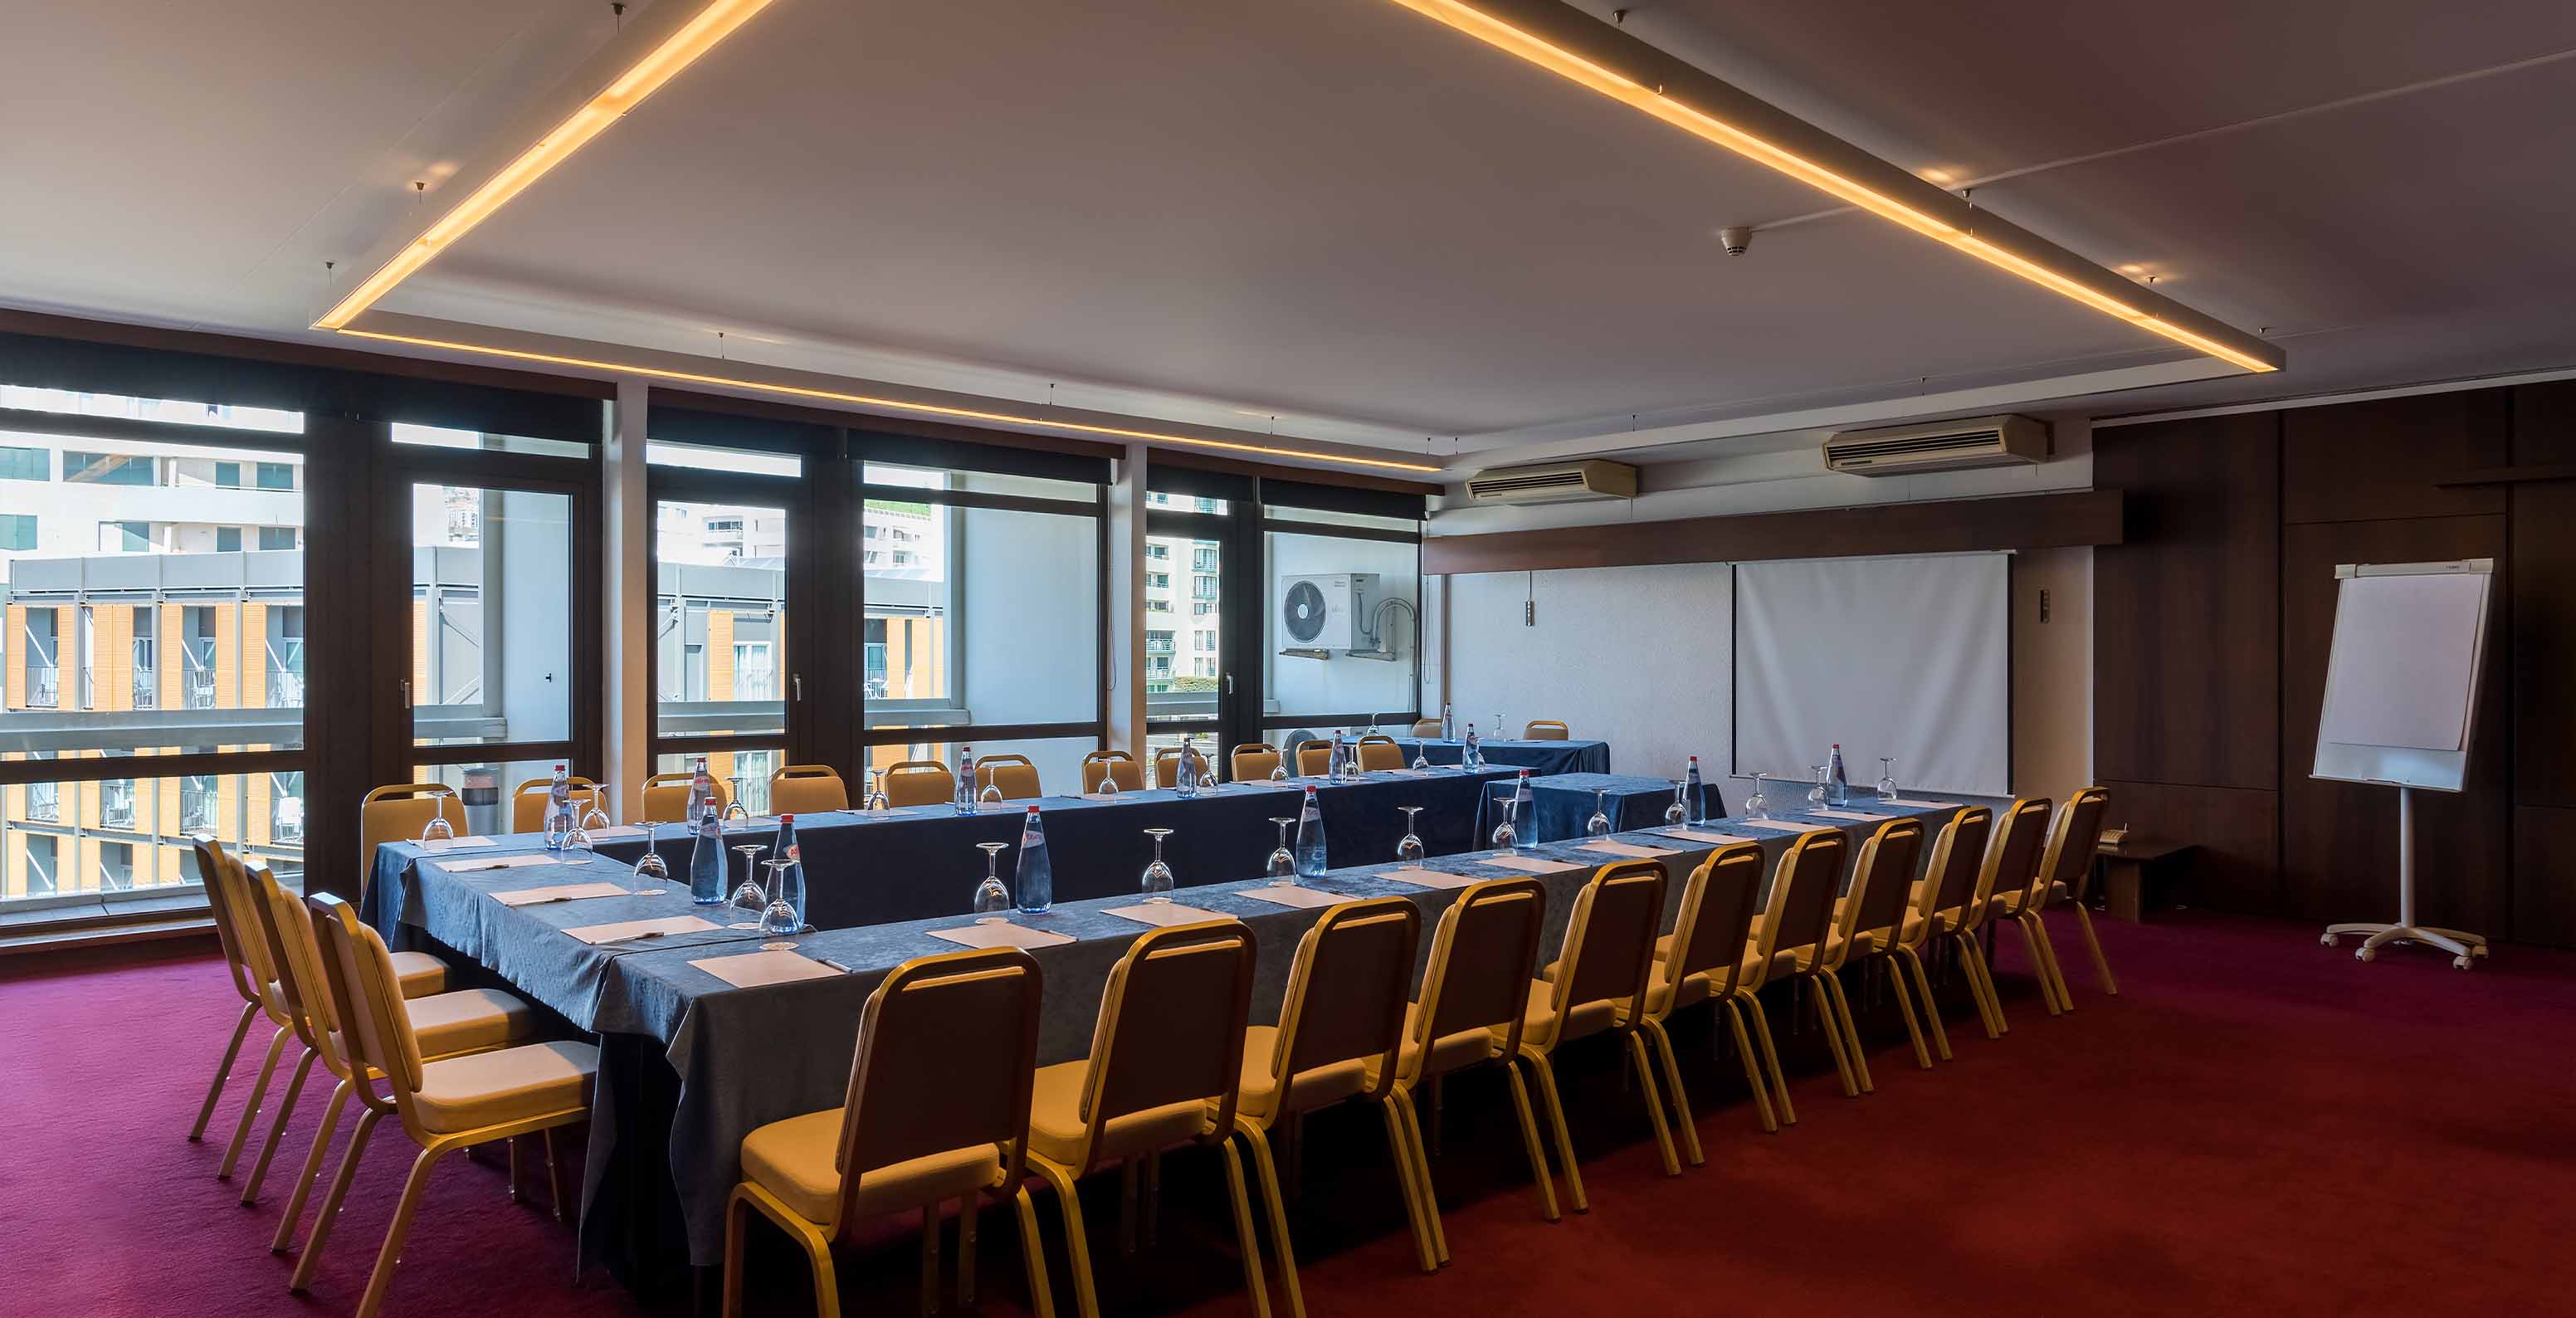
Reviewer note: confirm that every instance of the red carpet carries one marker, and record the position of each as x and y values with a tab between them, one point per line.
2257	1125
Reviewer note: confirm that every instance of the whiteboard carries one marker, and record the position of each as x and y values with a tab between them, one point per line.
1904	657
2402	676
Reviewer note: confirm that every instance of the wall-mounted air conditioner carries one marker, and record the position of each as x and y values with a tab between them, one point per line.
1560	482
1985	441
1324	612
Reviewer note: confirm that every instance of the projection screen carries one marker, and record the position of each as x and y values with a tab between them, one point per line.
1905	657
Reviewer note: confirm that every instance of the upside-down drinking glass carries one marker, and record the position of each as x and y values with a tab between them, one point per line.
650	871
779	918
1506	834
876	792
1757	804
1157	883
1887	777
1282	866
1599	824
438	830
750	898
1409	847
1679	811
992	896
1816	794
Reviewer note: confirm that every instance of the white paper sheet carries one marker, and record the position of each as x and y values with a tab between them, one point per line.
1302	897
658	927
561	892
1701	835
753	969
1163	915
522	860
1628	849
1526	864
1423	878
1000	935
1783	826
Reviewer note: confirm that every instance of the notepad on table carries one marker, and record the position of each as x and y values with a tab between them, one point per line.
1294	896
1004	934
1628	849
1784	826
614	831
1922	805
658	927
1527	864
1423	878
561	892
1713	839
1163	915
520	861
455	843
1861	815
753	969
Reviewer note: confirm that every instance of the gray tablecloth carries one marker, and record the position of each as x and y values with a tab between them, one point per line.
1511	752
746	1057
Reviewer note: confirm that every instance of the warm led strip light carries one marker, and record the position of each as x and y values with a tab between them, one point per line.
677	51
890	404
1566	64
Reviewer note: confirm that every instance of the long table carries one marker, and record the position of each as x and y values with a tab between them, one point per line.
744	1057
1515	753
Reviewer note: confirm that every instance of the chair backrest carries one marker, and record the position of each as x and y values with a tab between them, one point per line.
398	813
1347	990
1101	766
2071	844
1483	955
2012	860
1958	854
1882	880
1167	766
666	797
807	789
1545	729
528	803
946	1053
1015	775
1715	919
1803	889
365	997
1426	727
919	782
1314	757
301	988
1253	761
1172	1019
1610	938
1378	752
228	933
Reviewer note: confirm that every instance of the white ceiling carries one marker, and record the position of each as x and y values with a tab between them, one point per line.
1335	211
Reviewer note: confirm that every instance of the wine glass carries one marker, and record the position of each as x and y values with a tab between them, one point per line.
1279	771
750	897
597	817
1887	777
1816	794
1421	756
1282	867
1157	883
1599	824
437	832
735	812
1409	847
876	790
992	898
1678	812
778	918
1507	834
651	871
1108	781
1756	805
991	795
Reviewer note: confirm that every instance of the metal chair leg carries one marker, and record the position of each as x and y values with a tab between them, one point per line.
223	1071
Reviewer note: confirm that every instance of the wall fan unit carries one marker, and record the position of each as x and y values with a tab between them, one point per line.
1321	614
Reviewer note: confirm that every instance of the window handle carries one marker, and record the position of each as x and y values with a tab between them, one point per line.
797	680
406	688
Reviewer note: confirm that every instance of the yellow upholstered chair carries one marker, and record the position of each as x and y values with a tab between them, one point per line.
903	1140
1012	775
2066	877
1165	1066
1119	766
444	1105
398	813
1475	994
1544	729
447	1025
1341	1025
919	782
1786	941
245	976
807	789
1253	761
2012	868
1867	923
1702	960
1378	752
1600	987
1939	906
1426	727
528	802
1314	758
1167	766
666	797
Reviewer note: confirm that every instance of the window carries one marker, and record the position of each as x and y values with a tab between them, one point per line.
285	656
279	537
17	530
719	617
39	645
145	688
1202	608
1158	581
491	615
1203	558
116	804
107	469
1374	667
36	867
116	867
1203	641
1203	587
45	803
754	677
1158	642
276	476
228	539
25	464
228	475
125	537
199	800
286	807
1158	606
1158	551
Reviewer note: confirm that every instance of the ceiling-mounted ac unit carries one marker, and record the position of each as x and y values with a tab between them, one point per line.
1985	441
1554	483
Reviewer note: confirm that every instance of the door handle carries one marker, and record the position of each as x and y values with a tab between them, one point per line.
797	681
406	688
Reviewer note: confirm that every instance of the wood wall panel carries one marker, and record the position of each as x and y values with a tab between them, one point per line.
2375	460
2544	876
2238	832
1945	526
2339	840
2187	608
2544	604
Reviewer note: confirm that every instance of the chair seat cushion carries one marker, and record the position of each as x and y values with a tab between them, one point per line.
1320	1086
513	1084
792	1159
469	1020
1448	1053
1056	1127
420	974
1539	1023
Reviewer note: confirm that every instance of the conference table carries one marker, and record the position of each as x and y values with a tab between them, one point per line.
1514	753
691	1063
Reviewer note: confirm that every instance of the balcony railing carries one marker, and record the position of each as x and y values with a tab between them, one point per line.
285	689
44	688
147	689
198	689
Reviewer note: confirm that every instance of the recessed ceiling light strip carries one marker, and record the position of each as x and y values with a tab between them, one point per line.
888	404
701	33
1936	214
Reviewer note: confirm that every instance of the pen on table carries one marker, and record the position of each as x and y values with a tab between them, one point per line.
836	965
